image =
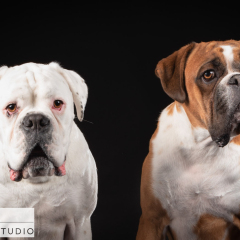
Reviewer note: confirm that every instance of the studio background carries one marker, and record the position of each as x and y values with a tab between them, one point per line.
115	49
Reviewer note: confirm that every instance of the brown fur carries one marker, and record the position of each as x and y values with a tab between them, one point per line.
170	70
236	140
199	105
210	228
170	108
154	218
178	74
185	64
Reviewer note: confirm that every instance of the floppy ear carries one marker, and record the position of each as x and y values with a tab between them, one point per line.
77	86
170	70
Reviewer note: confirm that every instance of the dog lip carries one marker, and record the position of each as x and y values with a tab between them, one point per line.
237	109
36	153
235	118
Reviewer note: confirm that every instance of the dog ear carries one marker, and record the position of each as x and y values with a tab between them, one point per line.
170	70
77	86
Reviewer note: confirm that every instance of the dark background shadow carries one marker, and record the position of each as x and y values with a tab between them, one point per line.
115	49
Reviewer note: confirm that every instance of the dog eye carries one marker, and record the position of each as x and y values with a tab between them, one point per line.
11	108
209	75
57	103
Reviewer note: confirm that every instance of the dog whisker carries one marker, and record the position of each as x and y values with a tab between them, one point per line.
83	120
87	121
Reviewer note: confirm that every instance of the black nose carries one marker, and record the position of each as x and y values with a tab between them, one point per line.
234	80
35	122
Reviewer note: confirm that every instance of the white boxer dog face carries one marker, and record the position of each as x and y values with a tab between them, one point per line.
36	117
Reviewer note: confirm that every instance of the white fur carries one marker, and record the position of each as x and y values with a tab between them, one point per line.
228	55
192	175
58	201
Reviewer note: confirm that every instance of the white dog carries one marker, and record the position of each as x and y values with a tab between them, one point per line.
45	161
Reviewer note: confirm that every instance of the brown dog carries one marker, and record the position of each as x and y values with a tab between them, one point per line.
190	187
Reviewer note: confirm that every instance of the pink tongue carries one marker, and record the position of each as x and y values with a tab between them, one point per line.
60	171
15	175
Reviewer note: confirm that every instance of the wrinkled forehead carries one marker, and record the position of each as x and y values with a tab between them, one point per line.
224	54
40	83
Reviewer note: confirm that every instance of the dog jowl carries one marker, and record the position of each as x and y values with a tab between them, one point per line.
38	161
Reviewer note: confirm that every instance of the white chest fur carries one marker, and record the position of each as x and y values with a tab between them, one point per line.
192	175
61	201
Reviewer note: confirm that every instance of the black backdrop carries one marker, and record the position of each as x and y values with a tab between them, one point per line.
115	49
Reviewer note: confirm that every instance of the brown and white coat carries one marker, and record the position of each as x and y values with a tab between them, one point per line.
190	187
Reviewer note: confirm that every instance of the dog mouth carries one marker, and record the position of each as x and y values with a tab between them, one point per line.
235	119
233	124
38	164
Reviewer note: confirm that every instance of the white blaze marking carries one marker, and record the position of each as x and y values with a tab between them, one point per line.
228	55
229	58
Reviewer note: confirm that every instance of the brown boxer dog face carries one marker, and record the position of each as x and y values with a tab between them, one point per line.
205	79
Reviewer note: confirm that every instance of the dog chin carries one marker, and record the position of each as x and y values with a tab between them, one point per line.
35	168
38	166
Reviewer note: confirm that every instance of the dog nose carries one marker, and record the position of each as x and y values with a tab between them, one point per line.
234	80
35	122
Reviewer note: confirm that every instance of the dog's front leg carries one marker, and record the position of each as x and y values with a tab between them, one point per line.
83	230
150	230
154	219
